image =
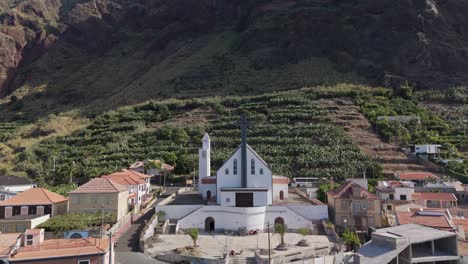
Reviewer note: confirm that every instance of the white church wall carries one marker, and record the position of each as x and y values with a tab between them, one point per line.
316	212
228	199
261	198
204	188
234	218
277	188
255	180
229	180
177	211
292	219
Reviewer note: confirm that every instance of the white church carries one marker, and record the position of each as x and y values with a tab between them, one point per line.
244	194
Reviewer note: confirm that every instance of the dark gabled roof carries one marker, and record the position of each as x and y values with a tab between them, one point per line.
346	191
14	180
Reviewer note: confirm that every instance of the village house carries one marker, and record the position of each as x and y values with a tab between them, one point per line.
410	243
100	195
353	206
29	209
432	217
419	178
156	173
10	185
135	185
31	247
139	185
435	200
395	190
426	149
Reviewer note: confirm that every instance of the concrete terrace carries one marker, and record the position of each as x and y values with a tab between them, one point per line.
187	198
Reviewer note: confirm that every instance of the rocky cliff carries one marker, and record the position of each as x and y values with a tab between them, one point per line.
70	52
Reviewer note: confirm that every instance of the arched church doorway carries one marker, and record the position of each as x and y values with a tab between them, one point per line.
208	195
281	195
209	224
279	220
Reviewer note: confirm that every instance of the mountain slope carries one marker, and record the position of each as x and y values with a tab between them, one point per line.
58	55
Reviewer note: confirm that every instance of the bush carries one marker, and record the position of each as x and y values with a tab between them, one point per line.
458	94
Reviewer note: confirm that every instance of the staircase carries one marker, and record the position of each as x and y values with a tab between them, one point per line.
172	226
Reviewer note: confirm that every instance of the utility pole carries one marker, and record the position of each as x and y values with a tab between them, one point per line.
110	247
102	222
269	246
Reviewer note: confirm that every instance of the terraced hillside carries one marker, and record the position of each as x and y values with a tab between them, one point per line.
289	129
346	113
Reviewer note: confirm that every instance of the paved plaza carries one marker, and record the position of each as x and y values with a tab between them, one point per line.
213	245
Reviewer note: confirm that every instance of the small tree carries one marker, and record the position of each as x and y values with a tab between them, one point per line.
304	231
351	239
193	234
281	229
161	214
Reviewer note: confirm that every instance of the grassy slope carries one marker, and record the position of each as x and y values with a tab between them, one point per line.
67	78
288	129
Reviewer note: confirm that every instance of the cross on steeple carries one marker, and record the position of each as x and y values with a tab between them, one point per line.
244	124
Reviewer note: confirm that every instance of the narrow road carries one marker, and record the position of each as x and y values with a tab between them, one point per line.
127	248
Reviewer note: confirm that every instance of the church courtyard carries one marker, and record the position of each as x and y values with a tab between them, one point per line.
213	245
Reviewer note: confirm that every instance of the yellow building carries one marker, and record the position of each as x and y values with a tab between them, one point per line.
353	206
100	195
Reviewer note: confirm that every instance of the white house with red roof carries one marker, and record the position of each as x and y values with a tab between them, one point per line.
138	184
243	195
419	178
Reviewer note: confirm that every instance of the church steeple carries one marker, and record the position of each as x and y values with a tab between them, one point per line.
244	125
204	159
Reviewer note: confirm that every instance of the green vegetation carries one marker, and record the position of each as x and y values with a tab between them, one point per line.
351	240
193	234
76	221
281	229
404	121
303	231
289	130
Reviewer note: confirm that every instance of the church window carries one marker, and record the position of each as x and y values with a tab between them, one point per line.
261	171
226	171
252	166
234	168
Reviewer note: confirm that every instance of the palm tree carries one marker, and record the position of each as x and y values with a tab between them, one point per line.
304	231
193	234
281	230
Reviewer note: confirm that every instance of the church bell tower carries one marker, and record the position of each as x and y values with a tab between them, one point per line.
204	168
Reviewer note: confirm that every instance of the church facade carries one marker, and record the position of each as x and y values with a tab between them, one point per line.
244	194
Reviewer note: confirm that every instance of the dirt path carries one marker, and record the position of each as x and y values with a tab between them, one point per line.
345	113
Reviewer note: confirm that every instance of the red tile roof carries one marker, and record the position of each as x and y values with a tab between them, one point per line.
125	179
416	176
100	185
461	221
35	196
126	172
435	221
434	196
209	180
61	248
346	191
280	180
7	241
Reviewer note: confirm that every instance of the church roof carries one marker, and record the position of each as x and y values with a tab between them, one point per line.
346	191
256	154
